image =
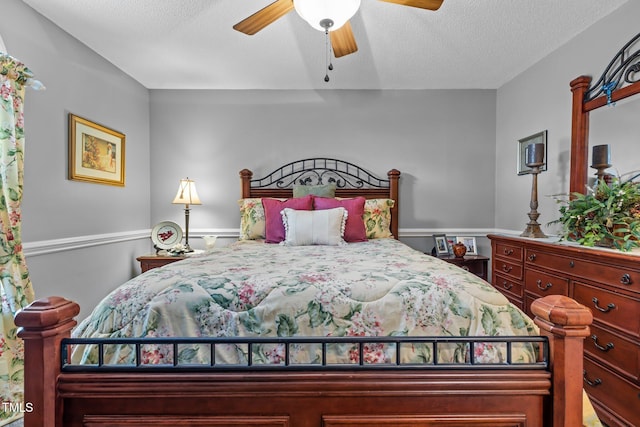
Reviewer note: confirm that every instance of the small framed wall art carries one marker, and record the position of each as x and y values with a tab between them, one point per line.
96	153
536	138
441	245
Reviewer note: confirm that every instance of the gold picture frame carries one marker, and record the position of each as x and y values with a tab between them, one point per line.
96	153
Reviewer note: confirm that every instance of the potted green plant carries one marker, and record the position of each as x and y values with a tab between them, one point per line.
608	214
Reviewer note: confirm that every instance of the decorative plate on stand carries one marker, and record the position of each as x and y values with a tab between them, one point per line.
166	235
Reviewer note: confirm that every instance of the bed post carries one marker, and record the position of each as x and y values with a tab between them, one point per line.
42	325
566	323
245	180
394	193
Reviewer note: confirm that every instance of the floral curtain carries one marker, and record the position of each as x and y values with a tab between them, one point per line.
16	290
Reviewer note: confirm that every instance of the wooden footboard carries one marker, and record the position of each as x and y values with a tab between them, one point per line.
335	398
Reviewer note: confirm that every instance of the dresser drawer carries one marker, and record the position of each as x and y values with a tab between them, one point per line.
619	353
543	284
620	277
510	252
618	395
506	284
508	268
615	310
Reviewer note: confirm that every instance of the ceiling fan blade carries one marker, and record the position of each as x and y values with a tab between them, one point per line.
342	41
264	17
422	4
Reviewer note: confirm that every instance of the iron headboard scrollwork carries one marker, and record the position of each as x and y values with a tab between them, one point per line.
350	180
623	69
320	171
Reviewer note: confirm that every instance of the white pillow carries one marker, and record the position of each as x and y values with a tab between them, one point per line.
324	227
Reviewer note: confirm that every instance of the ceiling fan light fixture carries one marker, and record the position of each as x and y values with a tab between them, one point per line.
317	11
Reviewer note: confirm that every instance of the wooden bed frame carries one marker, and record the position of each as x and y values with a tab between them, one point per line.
406	396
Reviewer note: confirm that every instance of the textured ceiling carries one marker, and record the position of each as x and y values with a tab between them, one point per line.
190	44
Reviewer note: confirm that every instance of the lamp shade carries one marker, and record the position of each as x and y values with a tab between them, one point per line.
187	194
338	11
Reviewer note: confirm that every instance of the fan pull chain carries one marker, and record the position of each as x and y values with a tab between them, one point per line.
327	61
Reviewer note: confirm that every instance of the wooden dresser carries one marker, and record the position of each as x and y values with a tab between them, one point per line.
606	281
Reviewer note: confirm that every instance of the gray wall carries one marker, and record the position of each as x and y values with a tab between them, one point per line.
540	99
81	239
441	140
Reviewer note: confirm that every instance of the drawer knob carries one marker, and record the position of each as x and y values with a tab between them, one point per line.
572	264
593	383
506	268
605	348
507	285
508	252
545	287
626	279
610	306
532	257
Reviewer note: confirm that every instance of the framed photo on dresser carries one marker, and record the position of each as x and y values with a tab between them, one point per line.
469	243
441	245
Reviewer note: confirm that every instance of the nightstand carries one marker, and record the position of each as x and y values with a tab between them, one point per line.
147	262
476	264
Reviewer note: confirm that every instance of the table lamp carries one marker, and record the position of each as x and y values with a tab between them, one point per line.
186	196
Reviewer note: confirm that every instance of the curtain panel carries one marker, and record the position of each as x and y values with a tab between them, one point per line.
16	290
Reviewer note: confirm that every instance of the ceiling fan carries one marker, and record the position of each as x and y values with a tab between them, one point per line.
330	16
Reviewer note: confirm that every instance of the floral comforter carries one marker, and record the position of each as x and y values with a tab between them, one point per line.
377	288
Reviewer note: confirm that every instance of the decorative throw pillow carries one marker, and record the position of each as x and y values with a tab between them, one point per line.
377	218
327	190
354	230
252	224
325	227
274	229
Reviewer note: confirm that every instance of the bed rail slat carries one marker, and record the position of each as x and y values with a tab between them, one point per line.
396	343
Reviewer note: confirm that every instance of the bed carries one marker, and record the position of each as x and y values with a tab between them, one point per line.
342	326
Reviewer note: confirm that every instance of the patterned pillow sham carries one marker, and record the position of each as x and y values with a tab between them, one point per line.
354	229
326	190
323	227
377	218
252	222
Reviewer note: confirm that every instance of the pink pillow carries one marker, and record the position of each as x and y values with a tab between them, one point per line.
354	230
274	229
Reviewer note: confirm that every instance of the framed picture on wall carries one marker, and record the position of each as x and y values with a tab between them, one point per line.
96	153
469	243
441	245
540	137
